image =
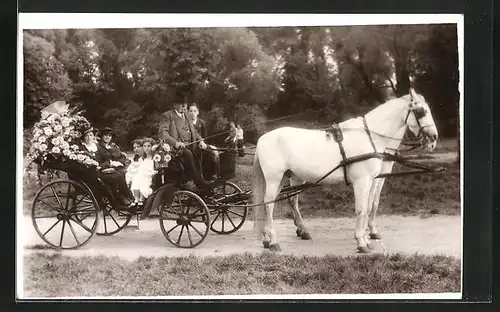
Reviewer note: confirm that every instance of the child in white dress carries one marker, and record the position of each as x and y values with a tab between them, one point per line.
141	183
134	162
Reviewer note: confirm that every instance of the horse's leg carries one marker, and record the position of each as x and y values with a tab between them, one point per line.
272	187
362	187
379	184
371	199
374	234
301	231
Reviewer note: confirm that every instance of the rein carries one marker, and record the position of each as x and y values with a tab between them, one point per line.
348	161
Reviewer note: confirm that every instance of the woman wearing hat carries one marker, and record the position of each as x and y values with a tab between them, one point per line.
108	167
111	153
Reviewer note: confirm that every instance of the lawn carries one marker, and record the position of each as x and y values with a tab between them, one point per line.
266	273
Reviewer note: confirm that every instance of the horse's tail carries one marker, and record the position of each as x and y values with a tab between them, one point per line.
259	188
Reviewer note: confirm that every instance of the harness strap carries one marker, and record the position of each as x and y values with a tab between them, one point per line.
369	134
338	136
342	151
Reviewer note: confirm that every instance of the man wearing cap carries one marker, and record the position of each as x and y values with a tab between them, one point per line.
178	131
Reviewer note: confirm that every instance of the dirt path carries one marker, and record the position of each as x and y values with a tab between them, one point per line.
410	235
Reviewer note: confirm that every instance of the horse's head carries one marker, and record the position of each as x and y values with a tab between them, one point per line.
420	122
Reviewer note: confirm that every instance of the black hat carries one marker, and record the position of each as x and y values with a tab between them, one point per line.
88	129
107	130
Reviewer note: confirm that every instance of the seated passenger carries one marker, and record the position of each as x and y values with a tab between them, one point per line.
209	159
141	184
134	161
115	179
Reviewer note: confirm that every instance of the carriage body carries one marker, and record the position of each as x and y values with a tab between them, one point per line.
66	213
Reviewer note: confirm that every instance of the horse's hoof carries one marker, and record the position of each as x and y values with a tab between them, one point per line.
370	246
375	236
266	244
275	247
363	249
299	233
305	236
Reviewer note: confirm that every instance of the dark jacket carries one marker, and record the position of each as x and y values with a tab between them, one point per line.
201	128
105	155
173	129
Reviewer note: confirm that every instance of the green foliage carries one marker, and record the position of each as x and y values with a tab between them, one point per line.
126	78
45	78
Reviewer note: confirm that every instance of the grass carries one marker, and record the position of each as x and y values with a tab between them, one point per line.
406	195
267	273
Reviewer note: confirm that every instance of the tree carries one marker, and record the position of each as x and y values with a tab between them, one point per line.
45	77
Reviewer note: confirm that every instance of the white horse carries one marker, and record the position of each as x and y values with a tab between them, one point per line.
310	154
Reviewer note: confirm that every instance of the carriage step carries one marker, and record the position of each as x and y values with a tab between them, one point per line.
134	224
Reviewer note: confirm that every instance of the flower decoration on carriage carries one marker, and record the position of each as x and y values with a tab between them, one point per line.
56	137
162	155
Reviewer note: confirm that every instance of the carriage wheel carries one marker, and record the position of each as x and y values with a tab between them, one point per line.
185	222
65	214
228	219
112	221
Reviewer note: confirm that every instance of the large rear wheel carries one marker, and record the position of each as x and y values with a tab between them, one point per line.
65	214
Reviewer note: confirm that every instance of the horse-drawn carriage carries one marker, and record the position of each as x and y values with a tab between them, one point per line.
365	152
66	213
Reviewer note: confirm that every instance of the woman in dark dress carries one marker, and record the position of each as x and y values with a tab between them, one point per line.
112	171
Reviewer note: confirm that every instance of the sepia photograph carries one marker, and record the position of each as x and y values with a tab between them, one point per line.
239	156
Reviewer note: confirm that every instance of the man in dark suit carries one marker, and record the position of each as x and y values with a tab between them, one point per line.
210	158
178	131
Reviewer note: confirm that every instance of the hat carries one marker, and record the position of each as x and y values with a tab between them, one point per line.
107	130
88	129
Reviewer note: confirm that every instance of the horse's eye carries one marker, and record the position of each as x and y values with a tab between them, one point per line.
419	112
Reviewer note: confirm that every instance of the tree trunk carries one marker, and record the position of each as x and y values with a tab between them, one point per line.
402	78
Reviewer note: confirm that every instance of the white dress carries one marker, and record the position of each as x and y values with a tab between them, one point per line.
132	170
144	177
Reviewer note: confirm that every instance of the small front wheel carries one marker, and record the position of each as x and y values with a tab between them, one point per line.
229	207
113	220
185	221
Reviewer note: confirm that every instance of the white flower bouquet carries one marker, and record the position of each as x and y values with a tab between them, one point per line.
162	155
56	139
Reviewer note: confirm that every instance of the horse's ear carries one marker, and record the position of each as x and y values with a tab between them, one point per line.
413	94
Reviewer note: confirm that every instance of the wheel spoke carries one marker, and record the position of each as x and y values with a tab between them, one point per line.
230	220
223	221
62	233
112	218
74	234
180	235
105	225
57	196
81	200
173	229
82	225
197	231
50	206
239	215
173	210
180	204
189	236
46	232
46	216
68	197
213	221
